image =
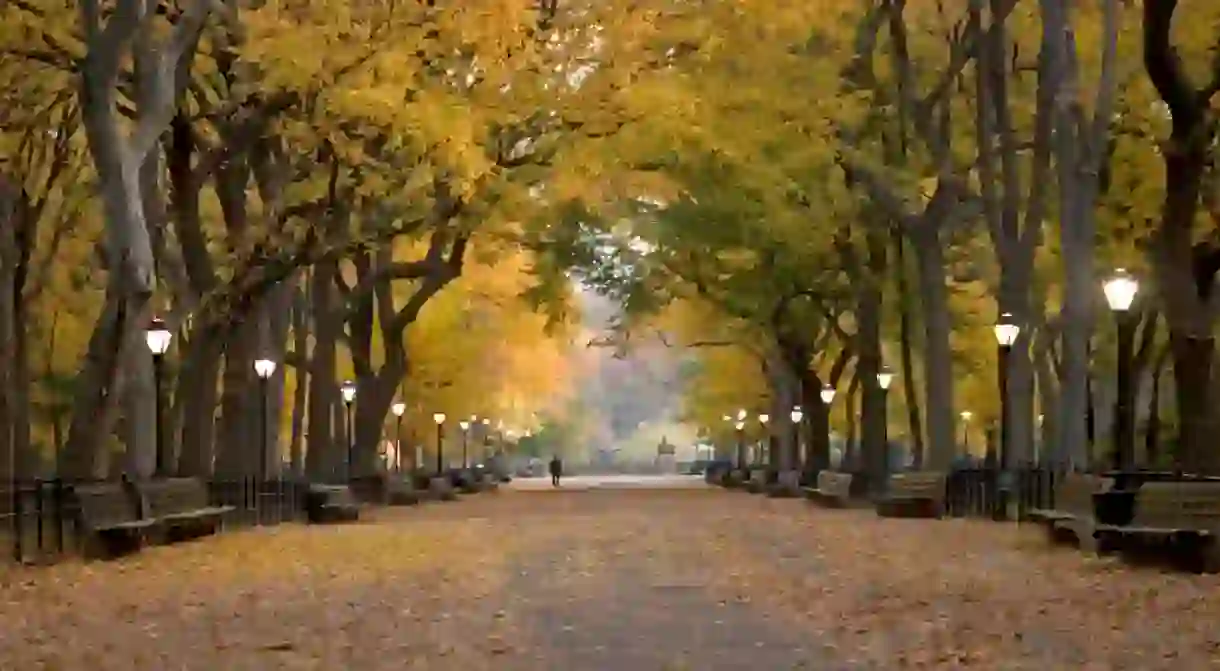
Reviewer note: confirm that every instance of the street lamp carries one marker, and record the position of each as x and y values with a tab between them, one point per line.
158	337
828	396
885	377
465	425
399	409
439	418
764	456
264	369
349	396
1006	332
1120	291
966	415
796	415
740	425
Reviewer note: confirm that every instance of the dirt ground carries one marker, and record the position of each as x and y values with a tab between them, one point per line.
612	580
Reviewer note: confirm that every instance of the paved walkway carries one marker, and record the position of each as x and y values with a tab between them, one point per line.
607	579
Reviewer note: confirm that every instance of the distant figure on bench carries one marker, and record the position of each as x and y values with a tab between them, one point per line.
556	470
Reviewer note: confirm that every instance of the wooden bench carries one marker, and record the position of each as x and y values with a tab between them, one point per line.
108	519
833	490
1174	521
180	507
1071	520
757	484
330	503
914	494
385	489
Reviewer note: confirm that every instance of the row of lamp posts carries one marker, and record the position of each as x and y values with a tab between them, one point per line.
884	378
1120	292
158	338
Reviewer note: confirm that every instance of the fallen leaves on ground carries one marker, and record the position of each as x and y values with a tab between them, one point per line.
630	580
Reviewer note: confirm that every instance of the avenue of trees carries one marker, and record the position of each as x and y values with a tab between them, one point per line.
402	193
870	185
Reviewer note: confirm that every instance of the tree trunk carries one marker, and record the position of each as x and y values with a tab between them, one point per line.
904	344
874	450
198	394
139	414
86	453
937	350
275	346
324	455
851	449
300	346
239	404
9	195
374	396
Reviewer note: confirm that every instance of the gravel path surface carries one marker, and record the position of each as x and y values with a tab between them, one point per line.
611	579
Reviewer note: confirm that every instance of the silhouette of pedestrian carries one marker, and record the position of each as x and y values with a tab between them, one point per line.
556	470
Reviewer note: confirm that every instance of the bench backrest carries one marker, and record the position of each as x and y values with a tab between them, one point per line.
1074	492
105	504
335	495
919	484
1178	505
175	495
834	483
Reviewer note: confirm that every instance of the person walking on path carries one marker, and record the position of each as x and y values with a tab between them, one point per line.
556	470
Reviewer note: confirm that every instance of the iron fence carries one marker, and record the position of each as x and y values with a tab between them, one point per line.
988	491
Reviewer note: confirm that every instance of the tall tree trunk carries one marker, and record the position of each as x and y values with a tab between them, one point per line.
851	449
9	211
300	347
197	395
874	419
139	414
904	344
1185	273
239	404
277	309
937	351
324	455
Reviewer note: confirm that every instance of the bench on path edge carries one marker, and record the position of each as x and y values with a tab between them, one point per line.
760	478
1177	521
325	504
108	519
833	491
1072	519
393	489
180	507
914	494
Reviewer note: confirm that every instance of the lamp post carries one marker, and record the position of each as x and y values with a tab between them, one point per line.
765	443
439	418
399	408
740	425
966	415
349	397
1120	293
828	396
1006	333
484	439
465	425
264	369
158	338
885	377
741	444
796	415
